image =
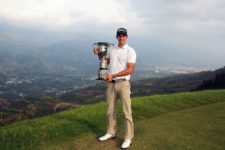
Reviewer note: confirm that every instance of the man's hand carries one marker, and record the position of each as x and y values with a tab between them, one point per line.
129	70
96	50
109	77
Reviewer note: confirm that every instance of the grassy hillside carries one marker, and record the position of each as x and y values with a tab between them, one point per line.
197	128
173	121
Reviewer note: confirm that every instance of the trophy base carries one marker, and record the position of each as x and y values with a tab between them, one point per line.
102	74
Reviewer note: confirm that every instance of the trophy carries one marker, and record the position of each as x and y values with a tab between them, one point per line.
102	47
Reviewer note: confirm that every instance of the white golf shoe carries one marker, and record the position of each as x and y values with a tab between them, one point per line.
106	137
126	143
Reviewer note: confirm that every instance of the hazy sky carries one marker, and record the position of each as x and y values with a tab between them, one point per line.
195	26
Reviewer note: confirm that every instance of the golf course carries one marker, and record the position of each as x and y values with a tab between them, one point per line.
180	121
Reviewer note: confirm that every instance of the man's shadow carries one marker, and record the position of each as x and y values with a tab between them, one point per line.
99	132
94	129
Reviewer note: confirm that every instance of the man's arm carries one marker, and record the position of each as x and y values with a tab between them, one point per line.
129	70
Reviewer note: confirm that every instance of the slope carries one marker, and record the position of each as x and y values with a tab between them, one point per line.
59	128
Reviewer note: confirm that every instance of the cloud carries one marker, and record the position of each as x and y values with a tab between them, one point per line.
191	27
66	13
183	22
184	15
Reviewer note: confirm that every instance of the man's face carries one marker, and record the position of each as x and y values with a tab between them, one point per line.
122	39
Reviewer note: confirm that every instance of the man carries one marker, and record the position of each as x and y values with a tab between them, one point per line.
121	60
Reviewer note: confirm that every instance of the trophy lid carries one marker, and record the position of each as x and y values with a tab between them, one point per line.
107	44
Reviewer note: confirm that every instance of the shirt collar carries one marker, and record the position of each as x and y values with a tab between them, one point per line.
124	47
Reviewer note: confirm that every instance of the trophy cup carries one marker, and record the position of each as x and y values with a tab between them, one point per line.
102	47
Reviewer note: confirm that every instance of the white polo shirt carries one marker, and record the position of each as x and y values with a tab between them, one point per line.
119	57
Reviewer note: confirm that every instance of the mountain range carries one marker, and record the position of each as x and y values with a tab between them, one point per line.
30	50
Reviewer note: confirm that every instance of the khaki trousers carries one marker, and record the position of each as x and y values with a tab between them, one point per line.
122	89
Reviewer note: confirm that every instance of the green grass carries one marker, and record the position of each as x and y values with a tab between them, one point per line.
89	122
197	128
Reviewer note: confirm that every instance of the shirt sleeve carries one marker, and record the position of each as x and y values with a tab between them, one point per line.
131	56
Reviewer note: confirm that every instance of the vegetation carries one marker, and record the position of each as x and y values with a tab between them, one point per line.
218	82
22	109
56	130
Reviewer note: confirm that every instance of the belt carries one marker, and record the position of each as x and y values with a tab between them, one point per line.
118	80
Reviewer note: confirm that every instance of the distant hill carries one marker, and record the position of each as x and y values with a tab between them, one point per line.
18	108
63	57
31	50
169	121
217	82
149	86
